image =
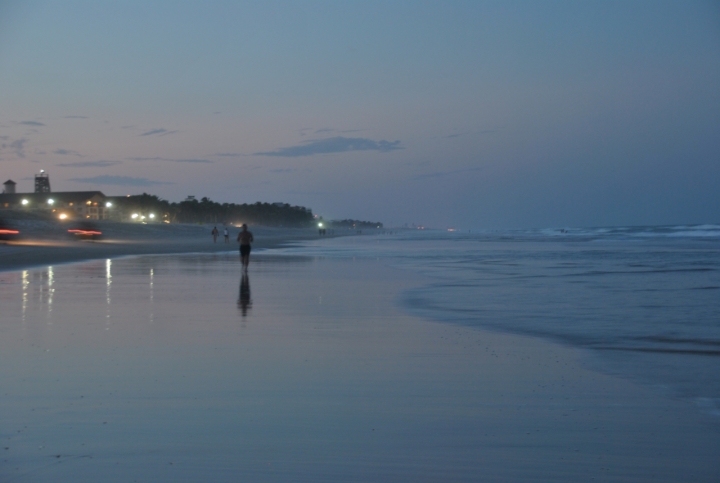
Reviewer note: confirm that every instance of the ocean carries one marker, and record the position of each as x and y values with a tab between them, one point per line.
641	302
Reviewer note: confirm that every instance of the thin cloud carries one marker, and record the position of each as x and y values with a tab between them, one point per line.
328	130
337	144
89	164
67	152
154	131
457	135
17	147
229	155
76	117
119	181
158	132
31	123
201	161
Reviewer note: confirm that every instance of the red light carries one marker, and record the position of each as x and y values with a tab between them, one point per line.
8	232
85	232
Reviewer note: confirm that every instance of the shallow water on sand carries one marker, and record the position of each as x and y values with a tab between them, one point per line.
178	368
643	301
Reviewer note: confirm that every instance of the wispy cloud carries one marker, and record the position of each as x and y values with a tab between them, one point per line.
329	130
17	147
67	152
119	181
468	133
158	132
229	155
201	161
89	164
157	158
76	117
31	123
337	144
154	131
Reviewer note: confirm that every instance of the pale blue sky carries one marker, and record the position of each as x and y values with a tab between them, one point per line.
470	114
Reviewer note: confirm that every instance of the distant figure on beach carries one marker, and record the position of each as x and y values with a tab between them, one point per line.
215	234
226	233
245	238
244	302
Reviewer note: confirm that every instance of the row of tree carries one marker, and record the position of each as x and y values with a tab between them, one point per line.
354	224
205	210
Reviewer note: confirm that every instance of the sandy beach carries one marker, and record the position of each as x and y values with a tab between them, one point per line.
46	242
177	368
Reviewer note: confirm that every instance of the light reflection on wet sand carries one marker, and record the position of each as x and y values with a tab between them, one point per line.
170	368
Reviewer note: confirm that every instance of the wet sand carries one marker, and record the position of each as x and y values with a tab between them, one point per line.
176	368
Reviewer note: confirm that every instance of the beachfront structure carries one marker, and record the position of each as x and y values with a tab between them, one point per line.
9	187
91	205
42	182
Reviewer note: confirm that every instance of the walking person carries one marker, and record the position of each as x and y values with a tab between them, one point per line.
215	234
226	233
245	238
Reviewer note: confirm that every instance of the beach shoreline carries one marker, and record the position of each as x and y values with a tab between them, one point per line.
45	242
322	376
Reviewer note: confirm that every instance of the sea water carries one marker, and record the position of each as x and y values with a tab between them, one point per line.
643	302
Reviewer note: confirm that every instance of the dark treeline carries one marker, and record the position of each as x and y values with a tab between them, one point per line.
356	224
207	211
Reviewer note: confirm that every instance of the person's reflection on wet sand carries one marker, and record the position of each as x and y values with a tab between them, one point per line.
244	302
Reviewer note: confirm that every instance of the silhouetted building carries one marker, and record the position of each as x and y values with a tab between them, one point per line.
9	187
42	182
91	205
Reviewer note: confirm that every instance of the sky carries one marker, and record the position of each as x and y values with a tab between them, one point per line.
467	114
